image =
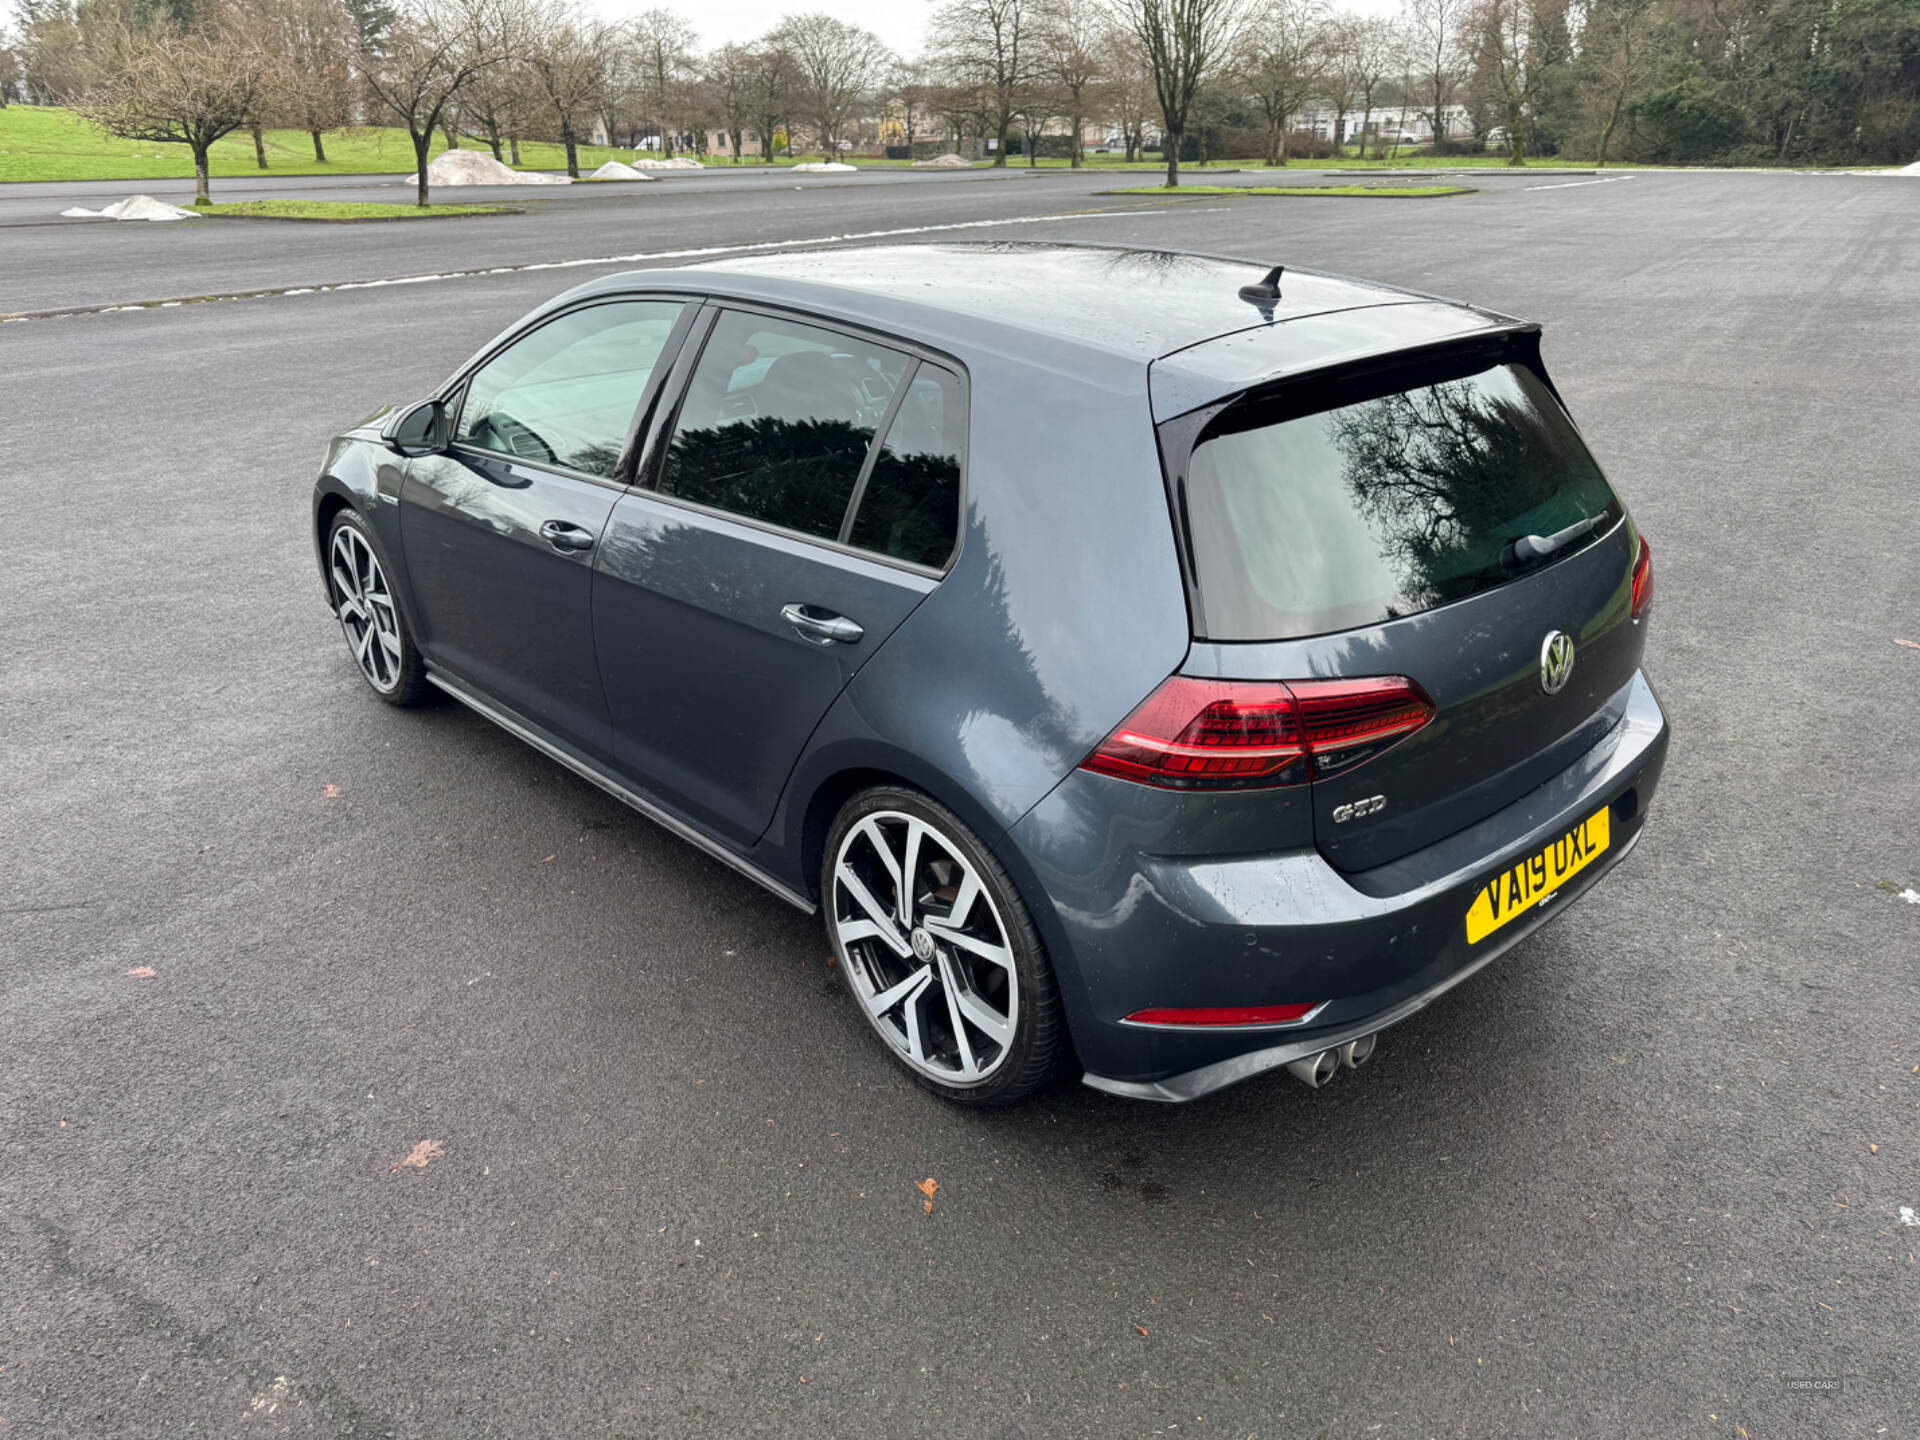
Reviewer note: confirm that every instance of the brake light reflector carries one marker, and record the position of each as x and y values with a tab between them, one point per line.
1642	578
1346	721
1193	734
1233	1015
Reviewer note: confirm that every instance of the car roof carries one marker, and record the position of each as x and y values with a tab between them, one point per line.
1115	302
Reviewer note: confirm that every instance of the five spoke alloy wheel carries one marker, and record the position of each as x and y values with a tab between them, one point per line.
375	630
939	959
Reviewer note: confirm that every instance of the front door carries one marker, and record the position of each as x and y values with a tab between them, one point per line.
500	531
778	548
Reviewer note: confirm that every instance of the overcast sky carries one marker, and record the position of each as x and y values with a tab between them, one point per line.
901	23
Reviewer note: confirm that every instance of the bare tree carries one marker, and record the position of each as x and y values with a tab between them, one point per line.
1521	42
1126	88
1617	43
311	83
1074	62
432	52
771	86
180	89
729	75
1366	50
665	47
52	61
1039	103
501	102
9	69
835	65
1283	63
913	87
506	99
992	49
571	58
1184	41
1433	56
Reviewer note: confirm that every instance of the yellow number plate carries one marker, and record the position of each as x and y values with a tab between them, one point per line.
1510	895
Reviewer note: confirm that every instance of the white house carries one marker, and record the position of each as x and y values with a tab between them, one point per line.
1396	124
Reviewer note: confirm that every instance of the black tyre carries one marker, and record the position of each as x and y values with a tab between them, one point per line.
376	632
939	950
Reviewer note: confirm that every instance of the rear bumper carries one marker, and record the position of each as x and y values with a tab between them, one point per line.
1141	930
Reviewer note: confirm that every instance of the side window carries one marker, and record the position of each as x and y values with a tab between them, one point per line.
565	395
911	506
777	421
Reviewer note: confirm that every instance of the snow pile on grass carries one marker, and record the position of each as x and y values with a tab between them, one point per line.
1913	169
818	166
136	207
949	161
617	170
678	162
476	167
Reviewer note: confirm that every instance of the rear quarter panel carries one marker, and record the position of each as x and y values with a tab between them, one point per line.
1064	608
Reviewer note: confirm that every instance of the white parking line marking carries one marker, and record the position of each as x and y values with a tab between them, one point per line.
695	252
1576	184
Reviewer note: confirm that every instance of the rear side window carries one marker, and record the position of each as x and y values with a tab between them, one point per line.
777	421
565	394
1380	502
910	508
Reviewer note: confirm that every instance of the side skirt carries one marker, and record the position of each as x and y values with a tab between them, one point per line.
587	770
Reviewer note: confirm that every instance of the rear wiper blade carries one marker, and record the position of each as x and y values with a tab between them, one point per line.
1529	548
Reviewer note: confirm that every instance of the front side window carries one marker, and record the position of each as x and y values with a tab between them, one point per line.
777	421
1385	505
565	395
910	508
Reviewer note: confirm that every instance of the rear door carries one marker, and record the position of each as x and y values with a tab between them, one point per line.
500	530
1377	525
800	502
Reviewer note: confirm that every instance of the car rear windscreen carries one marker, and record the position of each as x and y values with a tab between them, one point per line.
1331	508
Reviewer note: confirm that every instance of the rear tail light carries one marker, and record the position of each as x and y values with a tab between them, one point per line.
1642	578
1231	1015
1249	734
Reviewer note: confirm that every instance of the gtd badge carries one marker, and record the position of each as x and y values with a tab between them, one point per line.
1372	805
1556	661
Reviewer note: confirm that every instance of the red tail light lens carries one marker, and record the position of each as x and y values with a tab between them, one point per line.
1347	721
1207	734
1642	578
1233	1015
1249	734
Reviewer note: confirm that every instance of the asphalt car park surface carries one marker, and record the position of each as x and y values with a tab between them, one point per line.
1623	1183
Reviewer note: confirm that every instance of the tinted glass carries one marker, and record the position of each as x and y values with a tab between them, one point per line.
565	395
911	507
1394	504
777	420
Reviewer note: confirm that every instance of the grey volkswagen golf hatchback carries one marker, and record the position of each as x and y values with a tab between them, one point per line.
1172	664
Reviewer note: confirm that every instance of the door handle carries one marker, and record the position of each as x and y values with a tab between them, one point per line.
821	625
565	537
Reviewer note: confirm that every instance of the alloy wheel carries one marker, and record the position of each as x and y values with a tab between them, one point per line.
367	615
925	948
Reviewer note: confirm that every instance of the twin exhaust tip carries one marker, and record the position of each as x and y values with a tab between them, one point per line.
1316	1070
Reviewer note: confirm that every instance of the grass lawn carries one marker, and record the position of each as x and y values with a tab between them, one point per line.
39	142
1383	192
341	211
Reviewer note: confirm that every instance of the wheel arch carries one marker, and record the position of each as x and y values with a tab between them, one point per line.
329	499
364	477
830	775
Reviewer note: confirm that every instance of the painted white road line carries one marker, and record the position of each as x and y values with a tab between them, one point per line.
637	257
1576	184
